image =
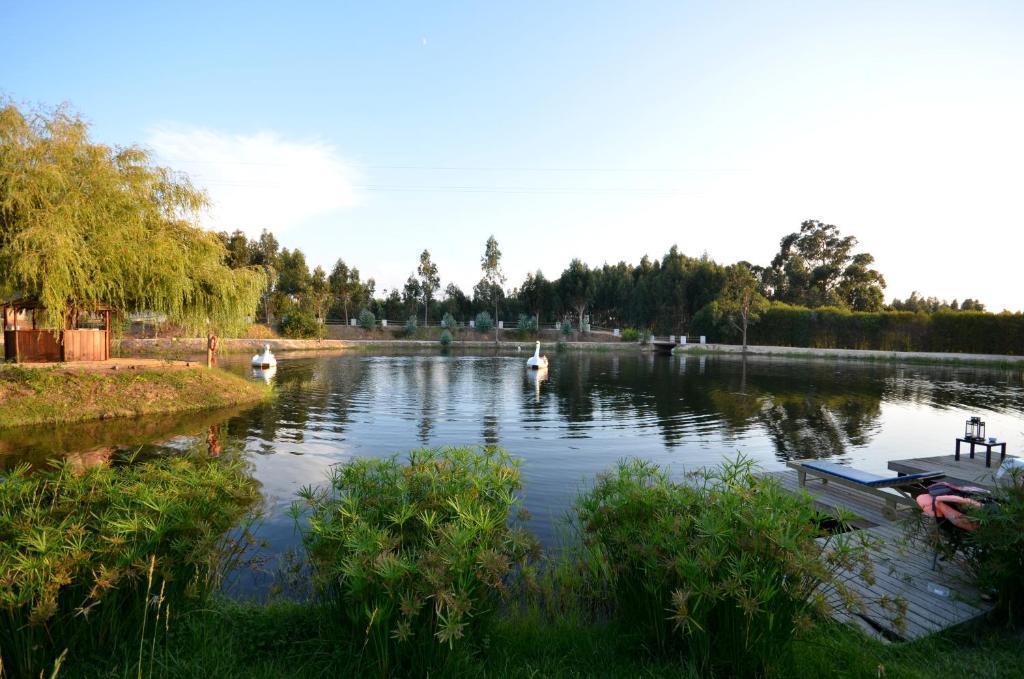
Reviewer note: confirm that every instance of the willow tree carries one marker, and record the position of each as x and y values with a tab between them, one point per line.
83	224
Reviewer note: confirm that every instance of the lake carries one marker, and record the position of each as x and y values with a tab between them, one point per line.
589	410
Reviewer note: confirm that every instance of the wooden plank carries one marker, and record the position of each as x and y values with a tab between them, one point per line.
902	565
966	471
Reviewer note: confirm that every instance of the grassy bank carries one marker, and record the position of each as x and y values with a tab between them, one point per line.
57	395
295	640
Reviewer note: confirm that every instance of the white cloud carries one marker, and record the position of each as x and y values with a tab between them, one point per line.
260	180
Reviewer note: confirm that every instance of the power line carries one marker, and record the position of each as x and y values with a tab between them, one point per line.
538	190
490	168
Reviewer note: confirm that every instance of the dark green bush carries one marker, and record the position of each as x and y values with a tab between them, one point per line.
832	328
566	327
527	325
630	335
301	325
446	337
484	322
410	327
82	551
998	546
416	556
367	321
727	568
448	321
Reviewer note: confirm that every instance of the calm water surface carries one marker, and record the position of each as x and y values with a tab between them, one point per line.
588	411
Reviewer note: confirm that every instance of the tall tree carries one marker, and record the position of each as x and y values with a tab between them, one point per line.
741	302
816	266
293	276
536	293
319	293
429	281
240	250
265	254
576	286
411	294
83	224
347	288
456	303
490	264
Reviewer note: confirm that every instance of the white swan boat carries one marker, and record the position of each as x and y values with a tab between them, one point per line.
264	360
537	362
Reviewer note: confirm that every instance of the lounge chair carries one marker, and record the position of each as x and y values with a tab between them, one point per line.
905	486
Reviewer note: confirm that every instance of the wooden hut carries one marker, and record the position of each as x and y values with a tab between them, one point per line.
83	337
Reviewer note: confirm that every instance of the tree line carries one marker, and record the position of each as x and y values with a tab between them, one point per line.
816	266
68	206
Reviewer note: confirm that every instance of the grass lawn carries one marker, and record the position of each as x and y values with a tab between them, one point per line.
294	640
58	395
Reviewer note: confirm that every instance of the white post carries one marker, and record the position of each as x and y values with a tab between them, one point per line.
353	321
672	339
682	340
615	332
501	325
383	322
703	340
472	324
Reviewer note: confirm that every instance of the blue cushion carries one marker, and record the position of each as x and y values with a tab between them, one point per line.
862	477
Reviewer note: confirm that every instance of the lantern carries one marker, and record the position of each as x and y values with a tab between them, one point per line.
974	430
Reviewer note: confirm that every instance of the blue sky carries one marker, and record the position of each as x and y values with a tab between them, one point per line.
600	130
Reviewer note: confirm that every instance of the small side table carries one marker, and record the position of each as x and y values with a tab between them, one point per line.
986	445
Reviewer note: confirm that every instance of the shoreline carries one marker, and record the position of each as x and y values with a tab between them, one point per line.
47	394
864	355
229	346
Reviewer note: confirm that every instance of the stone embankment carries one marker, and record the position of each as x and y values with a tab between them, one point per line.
855	354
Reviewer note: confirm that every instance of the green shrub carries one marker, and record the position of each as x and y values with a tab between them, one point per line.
484	322
527	324
448	321
367	321
82	551
301	325
997	556
566	327
410	327
446	337
726	568
630	335
416	556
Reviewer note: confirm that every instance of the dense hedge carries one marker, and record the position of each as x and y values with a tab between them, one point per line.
946	331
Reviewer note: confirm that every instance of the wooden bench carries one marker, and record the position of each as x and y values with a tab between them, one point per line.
905	486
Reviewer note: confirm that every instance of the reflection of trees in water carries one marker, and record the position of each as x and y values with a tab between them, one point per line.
425	378
150	434
961	388
304	390
575	389
806	410
811	425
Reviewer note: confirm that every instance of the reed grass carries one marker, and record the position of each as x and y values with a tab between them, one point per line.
97	558
415	556
421	569
727	568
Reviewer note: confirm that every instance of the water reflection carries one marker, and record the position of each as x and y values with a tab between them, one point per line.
566	423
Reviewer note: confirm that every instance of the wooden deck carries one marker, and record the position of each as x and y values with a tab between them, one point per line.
965	471
935	599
